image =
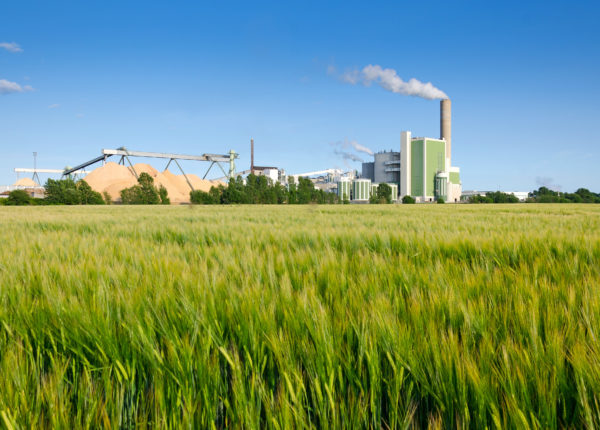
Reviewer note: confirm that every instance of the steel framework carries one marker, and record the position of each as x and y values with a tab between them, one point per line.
124	153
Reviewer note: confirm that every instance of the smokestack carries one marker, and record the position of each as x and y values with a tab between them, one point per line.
252	156
446	124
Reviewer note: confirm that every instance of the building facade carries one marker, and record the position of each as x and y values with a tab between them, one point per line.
426	171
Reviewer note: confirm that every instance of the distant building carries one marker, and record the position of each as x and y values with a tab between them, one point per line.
426	172
384	168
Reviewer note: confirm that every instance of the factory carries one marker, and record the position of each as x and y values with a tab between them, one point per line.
421	169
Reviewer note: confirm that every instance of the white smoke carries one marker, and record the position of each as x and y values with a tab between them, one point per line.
360	148
348	155
343	148
389	80
352	144
7	87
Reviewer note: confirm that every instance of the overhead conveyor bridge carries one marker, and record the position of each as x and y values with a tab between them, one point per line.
124	153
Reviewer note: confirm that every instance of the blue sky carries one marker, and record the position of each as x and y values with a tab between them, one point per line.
187	77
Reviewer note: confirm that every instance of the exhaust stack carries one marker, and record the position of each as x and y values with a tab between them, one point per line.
252	156
446	124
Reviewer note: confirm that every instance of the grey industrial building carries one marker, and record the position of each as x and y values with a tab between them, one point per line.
384	169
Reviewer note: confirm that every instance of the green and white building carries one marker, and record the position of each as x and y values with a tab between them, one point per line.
425	170
343	189
361	189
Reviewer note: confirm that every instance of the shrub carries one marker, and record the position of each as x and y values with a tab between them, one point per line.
441	200
107	198
203	198
69	192
164	196
18	198
384	193
408	200
87	196
132	195
145	193
57	193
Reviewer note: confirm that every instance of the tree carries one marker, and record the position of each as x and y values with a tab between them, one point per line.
68	192
145	193
164	196
18	198
292	190
384	193
149	191
306	191
107	198
203	198
62	191
132	195
408	200
87	196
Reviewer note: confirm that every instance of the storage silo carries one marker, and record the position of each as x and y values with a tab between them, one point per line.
361	189
441	185
343	190
394	188
374	188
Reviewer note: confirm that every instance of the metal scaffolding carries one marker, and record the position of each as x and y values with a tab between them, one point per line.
125	154
35	172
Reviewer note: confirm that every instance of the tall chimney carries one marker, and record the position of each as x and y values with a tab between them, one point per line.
252	156
446	125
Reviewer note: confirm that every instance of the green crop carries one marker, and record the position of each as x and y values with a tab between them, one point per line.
280	317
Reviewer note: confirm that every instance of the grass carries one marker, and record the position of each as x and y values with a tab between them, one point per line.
300	317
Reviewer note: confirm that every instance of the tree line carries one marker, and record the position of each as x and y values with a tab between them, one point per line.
541	195
70	192
255	190
260	190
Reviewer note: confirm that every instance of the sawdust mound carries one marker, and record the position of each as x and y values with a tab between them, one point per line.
26	182
113	178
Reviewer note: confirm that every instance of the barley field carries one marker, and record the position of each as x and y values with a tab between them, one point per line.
399	316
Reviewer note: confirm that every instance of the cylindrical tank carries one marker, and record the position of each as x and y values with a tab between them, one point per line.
394	188
441	185
446	124
374	188
361	189
344	189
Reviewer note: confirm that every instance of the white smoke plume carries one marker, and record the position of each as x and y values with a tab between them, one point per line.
389	80
352	144
343	148
360	148
348	155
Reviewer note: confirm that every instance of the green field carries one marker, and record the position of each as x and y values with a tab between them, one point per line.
309	316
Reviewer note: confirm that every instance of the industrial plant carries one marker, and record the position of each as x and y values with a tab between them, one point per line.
420	168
